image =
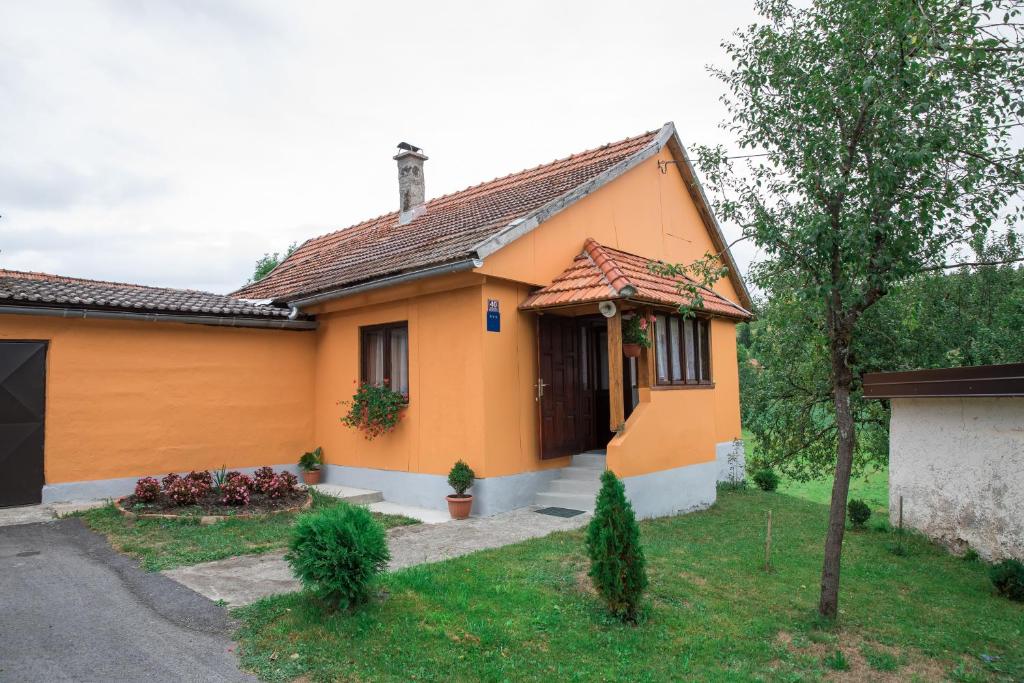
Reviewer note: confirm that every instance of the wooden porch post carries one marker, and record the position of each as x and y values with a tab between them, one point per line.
645	363
615	399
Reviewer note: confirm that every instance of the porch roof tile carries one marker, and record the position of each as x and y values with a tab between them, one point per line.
601	273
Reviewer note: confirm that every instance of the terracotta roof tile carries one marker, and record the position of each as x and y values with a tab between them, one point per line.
21	288
447	231
602	273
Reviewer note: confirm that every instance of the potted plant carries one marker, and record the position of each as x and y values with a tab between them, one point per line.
460	479
636	333
310	463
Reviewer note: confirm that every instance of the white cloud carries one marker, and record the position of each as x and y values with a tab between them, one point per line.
174	142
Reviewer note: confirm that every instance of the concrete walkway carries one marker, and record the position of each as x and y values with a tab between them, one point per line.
72	609
246	579
30	514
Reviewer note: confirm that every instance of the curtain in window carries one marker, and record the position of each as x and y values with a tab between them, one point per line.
373	357
399	340
677	370
661	347
691	350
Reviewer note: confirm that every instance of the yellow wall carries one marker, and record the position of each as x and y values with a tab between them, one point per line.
675	427
445	417
127	399
644	212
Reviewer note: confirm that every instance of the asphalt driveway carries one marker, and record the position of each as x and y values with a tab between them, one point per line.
71	609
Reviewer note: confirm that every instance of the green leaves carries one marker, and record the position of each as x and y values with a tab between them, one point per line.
617	563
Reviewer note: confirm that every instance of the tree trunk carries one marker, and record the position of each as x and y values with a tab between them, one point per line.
842	379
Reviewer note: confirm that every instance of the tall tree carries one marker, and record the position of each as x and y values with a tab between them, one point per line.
880	140
269	261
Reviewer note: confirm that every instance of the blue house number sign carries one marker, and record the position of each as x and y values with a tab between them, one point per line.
493	316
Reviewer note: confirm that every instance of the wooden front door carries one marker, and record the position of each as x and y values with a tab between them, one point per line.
22	412
558	385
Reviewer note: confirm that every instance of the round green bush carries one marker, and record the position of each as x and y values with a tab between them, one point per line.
766	479
1008	578
859	513
336	552
461	478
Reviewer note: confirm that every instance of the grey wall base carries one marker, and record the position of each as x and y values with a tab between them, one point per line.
490	496
725	468
673	492
100	489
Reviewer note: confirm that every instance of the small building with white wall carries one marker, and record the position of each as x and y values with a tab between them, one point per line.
956	454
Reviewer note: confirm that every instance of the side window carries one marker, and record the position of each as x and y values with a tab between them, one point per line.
682	350
384	351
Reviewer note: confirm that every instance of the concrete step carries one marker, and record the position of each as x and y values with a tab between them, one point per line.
584	486
594	460
573	501
584	473
350	494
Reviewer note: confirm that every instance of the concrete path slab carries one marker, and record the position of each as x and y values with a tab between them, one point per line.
243	580
425	515
32	514
75	610
350	494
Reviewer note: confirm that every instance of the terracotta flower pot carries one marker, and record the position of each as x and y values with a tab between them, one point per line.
631	350
459	507
311	477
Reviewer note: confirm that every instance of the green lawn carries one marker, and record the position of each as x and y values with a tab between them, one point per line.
872	488
526	612
163	544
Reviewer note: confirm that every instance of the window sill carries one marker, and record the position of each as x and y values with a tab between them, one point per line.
681	387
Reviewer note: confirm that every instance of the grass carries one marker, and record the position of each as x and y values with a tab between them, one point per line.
163	544
526	612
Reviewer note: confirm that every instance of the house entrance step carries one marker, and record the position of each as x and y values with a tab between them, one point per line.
349	494
573	501
577	485
592	459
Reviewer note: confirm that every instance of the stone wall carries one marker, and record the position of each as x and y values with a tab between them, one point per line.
959	465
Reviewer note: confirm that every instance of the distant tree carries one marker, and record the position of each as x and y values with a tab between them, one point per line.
880	140
269	261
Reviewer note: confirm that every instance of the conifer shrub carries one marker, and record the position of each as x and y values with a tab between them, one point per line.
461	478
336	552
859	513
617	564
1008	578
766	479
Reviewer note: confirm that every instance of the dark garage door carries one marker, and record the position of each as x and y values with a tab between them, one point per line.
22	408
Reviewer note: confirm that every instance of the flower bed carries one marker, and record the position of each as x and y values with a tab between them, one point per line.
212	497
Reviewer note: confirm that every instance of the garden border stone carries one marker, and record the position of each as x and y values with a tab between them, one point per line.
210	519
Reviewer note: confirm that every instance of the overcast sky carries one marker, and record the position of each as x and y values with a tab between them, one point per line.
172	142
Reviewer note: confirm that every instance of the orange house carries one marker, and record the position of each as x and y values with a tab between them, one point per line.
498	311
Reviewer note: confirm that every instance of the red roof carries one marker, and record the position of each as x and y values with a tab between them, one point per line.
602	273
450	229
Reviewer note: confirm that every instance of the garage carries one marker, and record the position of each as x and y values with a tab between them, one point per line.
22	417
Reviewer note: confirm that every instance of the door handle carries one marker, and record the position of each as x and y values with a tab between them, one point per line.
540	389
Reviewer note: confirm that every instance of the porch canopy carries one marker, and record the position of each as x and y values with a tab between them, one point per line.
601	273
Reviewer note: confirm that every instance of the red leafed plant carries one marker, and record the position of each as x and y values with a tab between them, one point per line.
235	491
290	480
261	479
184	491
168	480
203	481
147	489
374	410
277	487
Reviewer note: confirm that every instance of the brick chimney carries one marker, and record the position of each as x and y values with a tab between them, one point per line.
411	187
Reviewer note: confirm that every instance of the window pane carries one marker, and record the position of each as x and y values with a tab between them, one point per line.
705	350
399	338
373	357
674	345
661	348
691	351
